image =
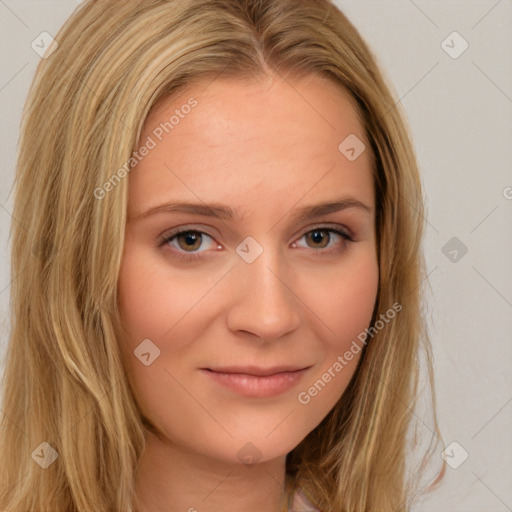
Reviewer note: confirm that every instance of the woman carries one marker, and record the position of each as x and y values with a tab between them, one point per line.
221	307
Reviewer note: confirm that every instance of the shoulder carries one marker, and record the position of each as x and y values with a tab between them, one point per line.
301	503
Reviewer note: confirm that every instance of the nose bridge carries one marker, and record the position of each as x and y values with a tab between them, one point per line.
266	305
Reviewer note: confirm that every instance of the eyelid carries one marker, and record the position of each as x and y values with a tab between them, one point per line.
186	228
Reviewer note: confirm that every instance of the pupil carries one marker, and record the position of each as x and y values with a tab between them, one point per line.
190	238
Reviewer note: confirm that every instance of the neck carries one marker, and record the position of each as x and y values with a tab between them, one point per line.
170	478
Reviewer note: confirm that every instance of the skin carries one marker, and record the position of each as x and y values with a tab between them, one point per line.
265	149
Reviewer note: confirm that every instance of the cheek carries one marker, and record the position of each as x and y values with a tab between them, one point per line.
153	303
346	301
345	307
355	302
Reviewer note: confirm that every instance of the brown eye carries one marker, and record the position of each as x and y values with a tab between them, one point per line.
319	237
189	240
324	241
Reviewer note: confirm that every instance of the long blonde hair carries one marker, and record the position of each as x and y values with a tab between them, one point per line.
64	382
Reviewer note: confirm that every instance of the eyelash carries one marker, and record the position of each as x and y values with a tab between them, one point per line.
194	256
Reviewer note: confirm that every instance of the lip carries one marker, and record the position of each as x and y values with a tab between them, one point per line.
256	382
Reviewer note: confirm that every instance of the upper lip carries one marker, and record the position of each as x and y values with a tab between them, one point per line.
256	370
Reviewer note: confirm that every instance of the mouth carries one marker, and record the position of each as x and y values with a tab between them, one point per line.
256	382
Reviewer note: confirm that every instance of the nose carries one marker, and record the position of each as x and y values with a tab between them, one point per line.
264	302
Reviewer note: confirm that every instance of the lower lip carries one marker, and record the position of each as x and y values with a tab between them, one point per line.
254	386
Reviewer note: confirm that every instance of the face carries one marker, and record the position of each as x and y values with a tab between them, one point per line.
249	265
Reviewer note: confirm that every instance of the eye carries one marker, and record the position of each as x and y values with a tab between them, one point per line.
187	241
321	237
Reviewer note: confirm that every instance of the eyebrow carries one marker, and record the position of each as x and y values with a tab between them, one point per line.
221	211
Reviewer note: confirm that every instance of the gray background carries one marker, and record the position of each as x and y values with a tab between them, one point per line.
460	114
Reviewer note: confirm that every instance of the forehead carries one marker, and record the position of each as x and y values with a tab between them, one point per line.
252	108
274	136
